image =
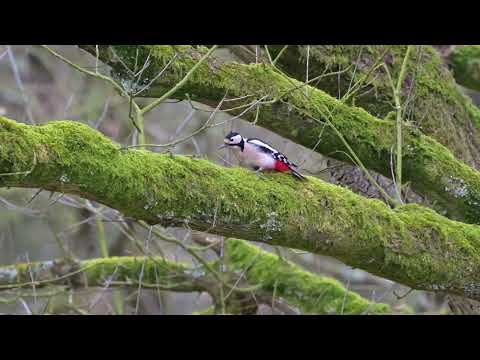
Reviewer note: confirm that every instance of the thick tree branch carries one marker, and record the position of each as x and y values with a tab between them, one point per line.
433	171
433	100
411	244
309	292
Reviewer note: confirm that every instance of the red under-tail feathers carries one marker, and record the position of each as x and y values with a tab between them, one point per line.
283	167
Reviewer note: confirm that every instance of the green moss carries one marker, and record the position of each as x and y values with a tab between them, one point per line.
429	167
466	66
309	292
165	274
277	209
439	109
209	311
123	271
312	293
448	116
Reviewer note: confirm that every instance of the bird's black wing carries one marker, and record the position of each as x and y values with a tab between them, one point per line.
262	146
281	157
268	149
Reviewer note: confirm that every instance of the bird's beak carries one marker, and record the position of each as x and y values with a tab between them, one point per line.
222	146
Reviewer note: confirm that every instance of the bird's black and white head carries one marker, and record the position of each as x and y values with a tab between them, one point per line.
233	140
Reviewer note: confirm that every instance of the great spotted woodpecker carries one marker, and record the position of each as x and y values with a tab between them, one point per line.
258	155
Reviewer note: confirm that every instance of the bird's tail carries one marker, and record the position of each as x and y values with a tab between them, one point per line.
298	175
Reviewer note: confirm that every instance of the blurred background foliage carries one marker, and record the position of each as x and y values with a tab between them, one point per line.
35	84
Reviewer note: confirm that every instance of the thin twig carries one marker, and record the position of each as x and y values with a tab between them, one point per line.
147	243
307	69
378	63
279	54
205	126
399	297
157	76
398	107
268	55
108	79
18	80
32	279
177	86
103	115
3	54
67	106
347	289
23	172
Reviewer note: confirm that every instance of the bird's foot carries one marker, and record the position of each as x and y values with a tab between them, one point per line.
260	174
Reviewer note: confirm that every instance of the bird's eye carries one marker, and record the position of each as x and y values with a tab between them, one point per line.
231	139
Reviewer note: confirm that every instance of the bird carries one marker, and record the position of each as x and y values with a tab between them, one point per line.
258	155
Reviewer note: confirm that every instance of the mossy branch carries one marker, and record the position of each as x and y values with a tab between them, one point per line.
431	168
411	244
465	62
309	292
435	103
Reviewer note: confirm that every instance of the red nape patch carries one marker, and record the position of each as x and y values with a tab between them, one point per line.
281	166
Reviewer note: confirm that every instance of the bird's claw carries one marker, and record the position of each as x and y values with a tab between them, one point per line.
260	174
